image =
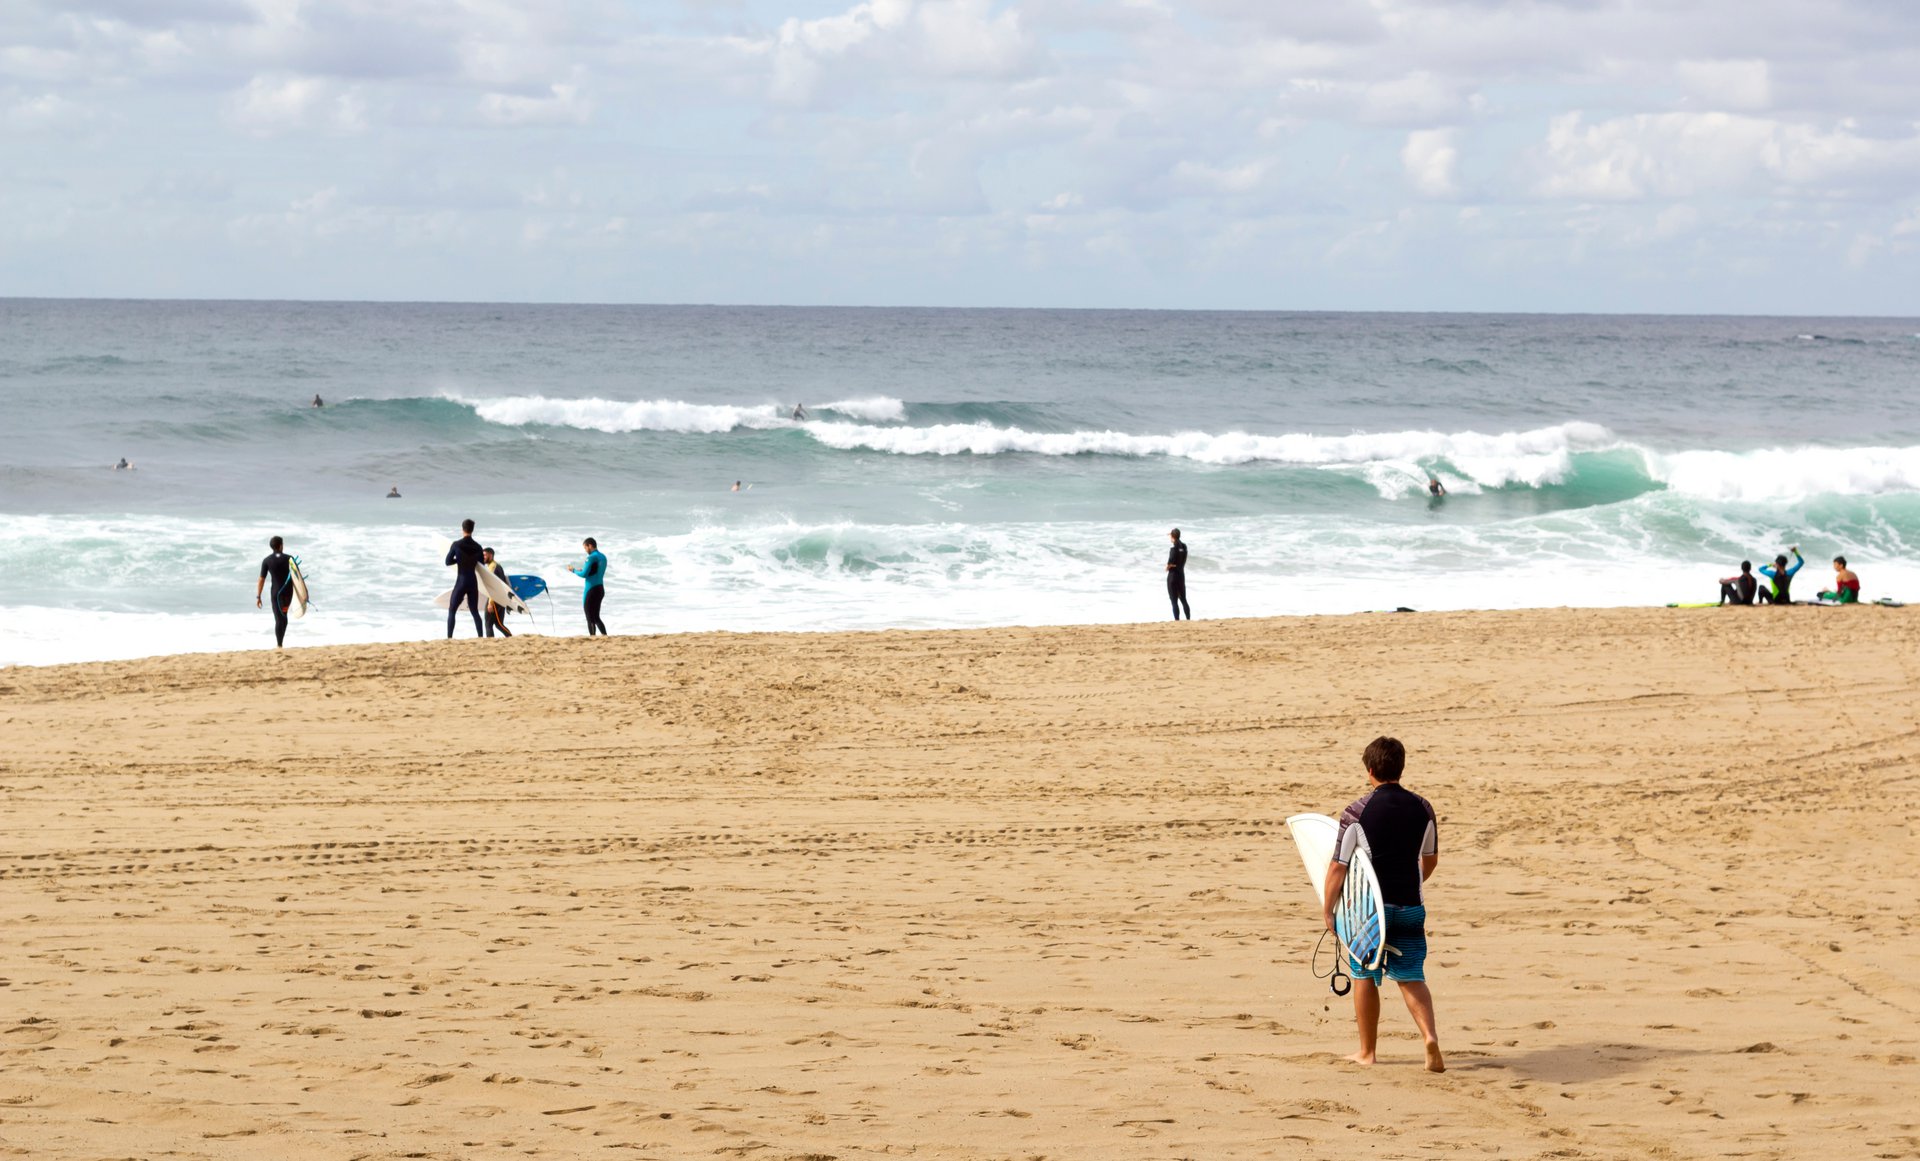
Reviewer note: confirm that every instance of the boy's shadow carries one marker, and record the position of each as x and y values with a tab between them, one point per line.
1573	1063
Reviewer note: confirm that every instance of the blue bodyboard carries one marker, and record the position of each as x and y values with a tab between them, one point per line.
528	587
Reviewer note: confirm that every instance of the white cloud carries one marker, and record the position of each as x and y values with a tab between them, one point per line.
564	104
1429	156
1680	155
1733	85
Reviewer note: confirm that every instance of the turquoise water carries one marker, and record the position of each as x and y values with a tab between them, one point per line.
955	467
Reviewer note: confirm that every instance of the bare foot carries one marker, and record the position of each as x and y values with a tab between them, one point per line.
1360	1058
1434	1062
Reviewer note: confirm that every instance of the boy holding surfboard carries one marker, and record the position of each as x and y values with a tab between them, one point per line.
1399	833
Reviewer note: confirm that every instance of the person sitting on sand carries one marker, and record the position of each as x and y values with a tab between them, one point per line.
1846	585
1739	589
1782	578
1400	833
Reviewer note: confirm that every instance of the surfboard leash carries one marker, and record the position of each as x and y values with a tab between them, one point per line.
1338	981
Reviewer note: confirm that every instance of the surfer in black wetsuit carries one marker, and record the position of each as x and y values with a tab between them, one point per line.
464	556
1435	488
1739	589
1177	576
316	401
278	567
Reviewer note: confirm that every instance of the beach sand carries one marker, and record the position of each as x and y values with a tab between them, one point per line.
997	894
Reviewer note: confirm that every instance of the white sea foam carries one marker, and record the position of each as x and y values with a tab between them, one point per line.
615	415
1773	475
873	409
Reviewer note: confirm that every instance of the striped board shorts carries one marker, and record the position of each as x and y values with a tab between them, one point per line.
1406	957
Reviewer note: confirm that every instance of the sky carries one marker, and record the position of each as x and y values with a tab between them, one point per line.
1684	156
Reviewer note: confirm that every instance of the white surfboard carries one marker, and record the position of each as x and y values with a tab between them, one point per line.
492	588
297	608
1360	917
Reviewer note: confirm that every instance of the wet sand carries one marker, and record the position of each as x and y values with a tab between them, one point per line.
994	894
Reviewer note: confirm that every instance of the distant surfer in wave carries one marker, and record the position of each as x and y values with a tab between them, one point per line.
496	616
593	570
1846	584
125	465
1782	578
1400	833
799	412
1740	589
464	556
278	567
1177	576
1435	488
316	401
393	493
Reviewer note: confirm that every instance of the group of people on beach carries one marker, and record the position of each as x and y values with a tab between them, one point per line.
1743	588
468	558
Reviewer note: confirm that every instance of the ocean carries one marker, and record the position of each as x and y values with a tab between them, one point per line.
954	468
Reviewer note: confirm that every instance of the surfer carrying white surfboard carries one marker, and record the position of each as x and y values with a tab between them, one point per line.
1399	832
278	567
496	616
464	556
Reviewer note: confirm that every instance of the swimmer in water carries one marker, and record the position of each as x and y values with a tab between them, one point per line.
123	465
736	485
316	400
1434	487
393	493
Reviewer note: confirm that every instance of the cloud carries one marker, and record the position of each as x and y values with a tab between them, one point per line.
564	104
1429	156
268	106
1680	155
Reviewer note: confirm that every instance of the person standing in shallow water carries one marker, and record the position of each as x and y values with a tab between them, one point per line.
464	556
593	570
277	567
1177	576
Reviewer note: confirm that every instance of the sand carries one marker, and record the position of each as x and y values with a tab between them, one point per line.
996	894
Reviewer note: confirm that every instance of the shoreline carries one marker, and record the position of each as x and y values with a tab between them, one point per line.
994	892
303	649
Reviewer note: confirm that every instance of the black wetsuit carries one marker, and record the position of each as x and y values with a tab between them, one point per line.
464	555
496	616
1740	589
277	571
1177	579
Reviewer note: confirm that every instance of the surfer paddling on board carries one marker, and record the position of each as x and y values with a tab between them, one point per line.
593	570
278	567
1398	831
464	556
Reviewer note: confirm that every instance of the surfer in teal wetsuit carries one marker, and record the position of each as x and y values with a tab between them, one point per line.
1399	832
464	556
593	570
1782	578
